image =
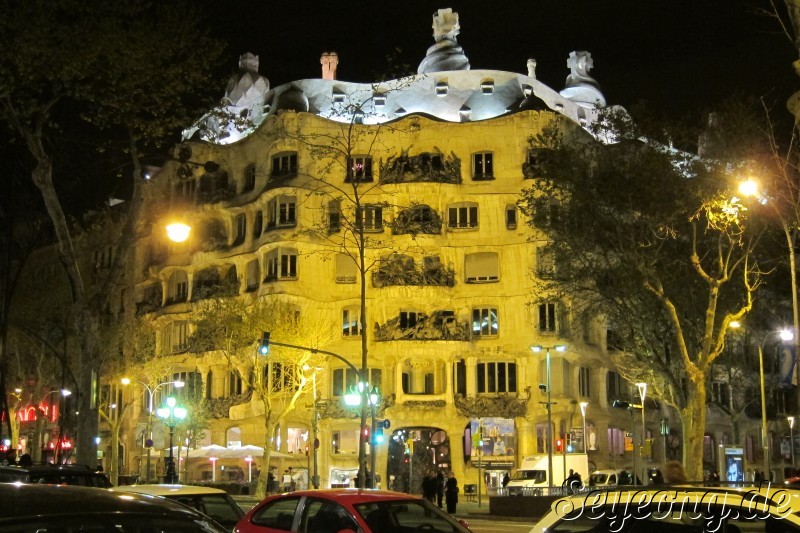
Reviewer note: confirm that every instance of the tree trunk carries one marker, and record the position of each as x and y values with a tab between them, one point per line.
263	475
693	419
114	473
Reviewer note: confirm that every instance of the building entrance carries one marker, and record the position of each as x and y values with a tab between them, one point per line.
413	453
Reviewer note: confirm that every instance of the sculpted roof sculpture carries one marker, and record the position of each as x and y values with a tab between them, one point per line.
445	87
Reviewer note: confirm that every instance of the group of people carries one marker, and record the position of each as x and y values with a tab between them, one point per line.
436	488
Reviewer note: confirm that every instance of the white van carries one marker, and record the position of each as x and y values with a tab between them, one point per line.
610	478
531	476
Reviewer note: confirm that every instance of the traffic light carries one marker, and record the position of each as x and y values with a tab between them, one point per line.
378	436
365	433
559	445
569	442
263	345
406	457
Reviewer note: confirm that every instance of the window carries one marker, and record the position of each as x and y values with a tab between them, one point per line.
282	212
584	377
359	168
482	267
496	377
616	441
320	515
482	166
346	378
281	264
372	218
379	100
210	385
258	224
351	322
487	86
721	393
249	178
186	189
461	216
346	269
241	229
284	165
545	262
615	387
408	319
281	376
233	385
484	322
441	88
334	216
338	96
511	217
178	287
253	275
460	377
546	212
277	515
175	335
547	317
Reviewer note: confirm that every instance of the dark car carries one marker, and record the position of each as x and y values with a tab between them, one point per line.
27	508
55	475
336	510
212	502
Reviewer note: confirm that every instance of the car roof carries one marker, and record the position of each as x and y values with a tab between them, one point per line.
49	468
169	490
22	500
354	496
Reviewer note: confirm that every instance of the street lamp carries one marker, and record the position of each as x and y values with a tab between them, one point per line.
548	405
642	395
751	188
785	335
791	437
172	416
374	401
151	391
584	405
178	231
355	398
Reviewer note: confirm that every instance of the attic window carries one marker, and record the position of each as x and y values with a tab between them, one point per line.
380	100
338	96
560	108
527	90
465	113
487	87
400	111
442	88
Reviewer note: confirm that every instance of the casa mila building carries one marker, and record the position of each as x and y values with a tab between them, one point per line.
276	181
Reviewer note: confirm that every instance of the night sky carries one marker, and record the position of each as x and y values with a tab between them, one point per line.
674	54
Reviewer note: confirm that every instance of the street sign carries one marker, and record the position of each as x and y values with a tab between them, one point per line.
387	424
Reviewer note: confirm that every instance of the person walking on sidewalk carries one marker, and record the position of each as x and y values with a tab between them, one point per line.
451	493
439	488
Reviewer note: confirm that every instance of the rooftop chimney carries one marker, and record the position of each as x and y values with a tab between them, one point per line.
329	61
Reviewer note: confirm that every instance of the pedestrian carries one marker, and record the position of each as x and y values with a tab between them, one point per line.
287	481
573	482
429	487
506	479
674	473
451	493
439	488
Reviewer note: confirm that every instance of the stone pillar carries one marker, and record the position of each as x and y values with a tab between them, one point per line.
472	381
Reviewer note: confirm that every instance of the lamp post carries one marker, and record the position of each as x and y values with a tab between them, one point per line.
151	391
584	405
64	393
172	415
548	405
355	398
785	336
665	433
642	395
790	419
374	401
751	188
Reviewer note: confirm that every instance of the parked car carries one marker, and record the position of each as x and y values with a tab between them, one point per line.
676	510
610	478
337	510
34	508
55	475
212	502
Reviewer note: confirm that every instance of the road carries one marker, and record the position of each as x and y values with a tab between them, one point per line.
487	525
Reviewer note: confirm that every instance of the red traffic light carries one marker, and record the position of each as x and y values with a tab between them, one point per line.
559	445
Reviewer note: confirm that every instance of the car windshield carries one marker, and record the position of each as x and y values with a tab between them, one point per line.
396	516
538	476
598	479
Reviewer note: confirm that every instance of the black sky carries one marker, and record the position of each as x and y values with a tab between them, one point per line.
672	53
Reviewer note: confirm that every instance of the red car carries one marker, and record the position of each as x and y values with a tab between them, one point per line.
347	510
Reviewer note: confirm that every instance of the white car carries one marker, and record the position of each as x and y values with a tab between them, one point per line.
214	503
766	509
